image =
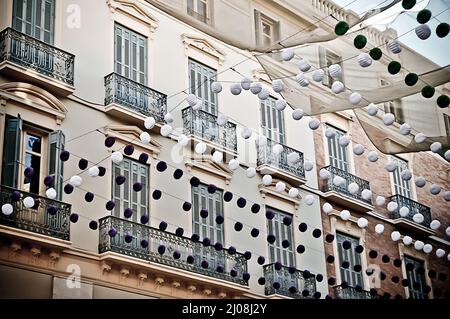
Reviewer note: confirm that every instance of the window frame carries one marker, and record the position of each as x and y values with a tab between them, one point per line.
194	12
323	54
287	255
210	105
353	239
423	278
346	152
270	132
397	175
260	20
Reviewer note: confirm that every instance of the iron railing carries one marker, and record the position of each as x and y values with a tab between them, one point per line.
204	125
135	96
348	292
280	161
28	52
343	188
291	284
414	208
232	266
36	219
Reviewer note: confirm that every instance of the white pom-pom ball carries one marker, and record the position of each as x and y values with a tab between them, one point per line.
166	129
222	119
149	122
216	87
246	84
264	94
235	89
302	80
345	215
392	206
364	60
250	172
297	114
327	208
337	87
388	119
366	194
355	98
28	202
198	105
406	175
267	180
200	148
447	196
423	31
418	218
191	99
233	164
379	229
277	85
50	193
418	245
372	156
255	87
335	71
391	166
93	171
217	157
405	129
280	187
277	149
447	155
293	158
308	165
435	224
395	236
420	181
372	109
293	192
330	133
380	200
287	55
318	75
304	65
435	189
324	174
183	140
168	118
404	211
338	181
440	253
353	188
145	137
420	138
246	133
261	140
407	240
309	200
427	248
394	47
280	104
344	140
435	147
8	209
358	149
447	231
76	180
314	124
363	222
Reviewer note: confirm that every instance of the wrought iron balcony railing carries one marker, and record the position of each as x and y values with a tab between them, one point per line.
48	217
348	292
204	125
141	241
280	161
288	283
414	208
30	53
343	188
135	96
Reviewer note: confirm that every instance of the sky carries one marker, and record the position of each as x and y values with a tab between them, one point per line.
434	48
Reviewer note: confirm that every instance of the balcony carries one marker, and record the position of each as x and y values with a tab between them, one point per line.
31	60
414	208
348	292
278	165
128	241
290	284
204	125
125	97
38	218
341	195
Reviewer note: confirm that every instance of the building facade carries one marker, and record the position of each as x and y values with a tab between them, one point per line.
79	83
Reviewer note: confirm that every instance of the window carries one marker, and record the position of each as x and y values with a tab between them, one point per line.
337	154
207	227
124	195
348	274
35	18
267	30
416	278
130	54
447	124
198	9
393	107
401	187
200	79
327	58
272	121
26	146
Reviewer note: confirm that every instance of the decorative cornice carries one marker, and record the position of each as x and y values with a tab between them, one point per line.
203	45
209	166
130	134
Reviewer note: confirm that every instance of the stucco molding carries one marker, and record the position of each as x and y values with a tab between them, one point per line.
208	166
134	9
130	134
202	44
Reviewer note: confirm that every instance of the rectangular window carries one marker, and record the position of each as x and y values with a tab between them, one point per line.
337	154
272	121
200	79
416	278
207	227
35	18
327	58
401	187
447	124
267	30
130	54
124	195
282	232
32	157
394	107
198	9
348	274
